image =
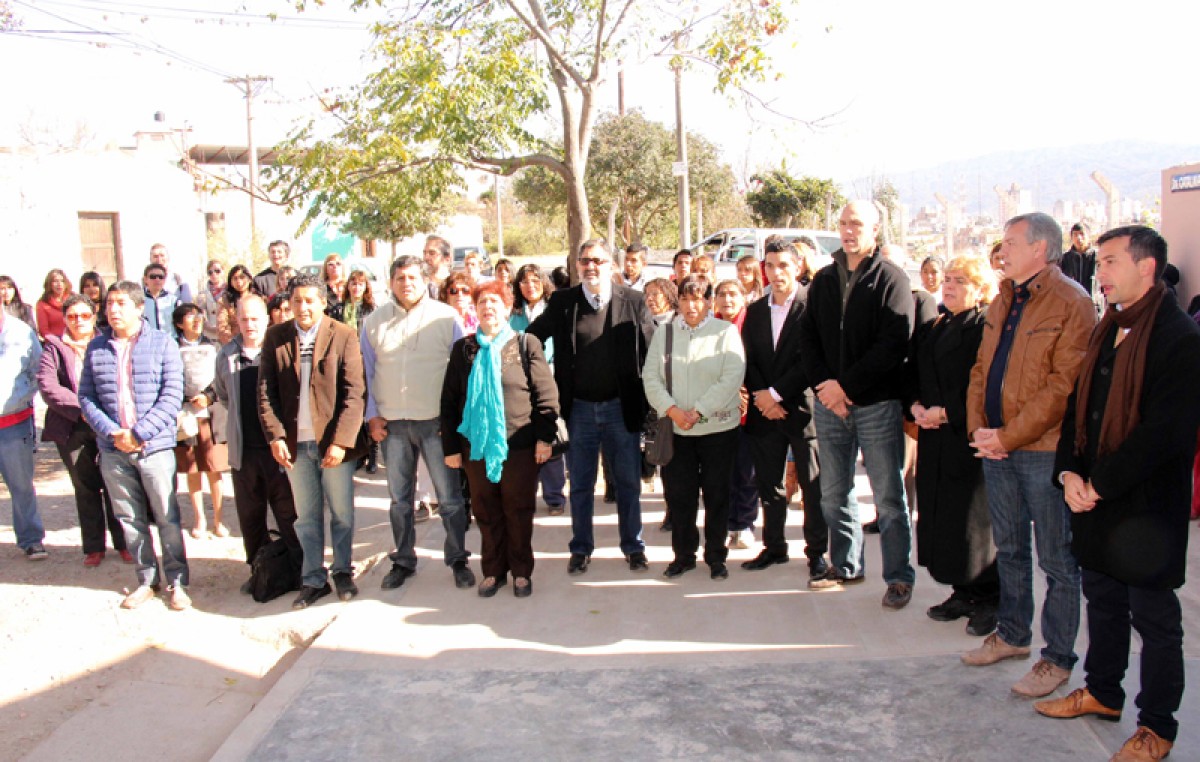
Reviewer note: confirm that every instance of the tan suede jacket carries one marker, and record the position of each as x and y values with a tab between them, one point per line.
1051	341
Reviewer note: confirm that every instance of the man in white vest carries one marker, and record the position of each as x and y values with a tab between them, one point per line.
406	345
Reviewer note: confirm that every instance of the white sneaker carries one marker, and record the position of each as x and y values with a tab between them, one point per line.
741	540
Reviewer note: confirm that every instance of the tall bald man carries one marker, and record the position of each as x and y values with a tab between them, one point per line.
853	343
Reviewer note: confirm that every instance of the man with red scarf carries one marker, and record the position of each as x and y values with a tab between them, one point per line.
1124	463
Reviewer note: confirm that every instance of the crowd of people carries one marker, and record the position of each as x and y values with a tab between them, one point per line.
988	407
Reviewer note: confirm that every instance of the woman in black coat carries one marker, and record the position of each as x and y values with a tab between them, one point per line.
954	529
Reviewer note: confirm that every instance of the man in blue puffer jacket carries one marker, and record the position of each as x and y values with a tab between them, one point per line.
130	393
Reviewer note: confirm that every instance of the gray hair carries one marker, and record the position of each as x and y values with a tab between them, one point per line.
1041	227
594	243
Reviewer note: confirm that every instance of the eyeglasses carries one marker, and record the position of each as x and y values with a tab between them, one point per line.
216	271
592	261
156	277
79	316
462	291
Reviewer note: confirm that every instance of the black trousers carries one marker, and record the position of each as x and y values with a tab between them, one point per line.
1112	607
81	457
260	483
768	450
701	464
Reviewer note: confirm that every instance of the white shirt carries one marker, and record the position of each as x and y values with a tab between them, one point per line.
779	313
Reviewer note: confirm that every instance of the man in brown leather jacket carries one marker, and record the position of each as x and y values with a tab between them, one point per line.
1033	343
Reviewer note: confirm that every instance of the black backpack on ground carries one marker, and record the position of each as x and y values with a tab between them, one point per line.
276	569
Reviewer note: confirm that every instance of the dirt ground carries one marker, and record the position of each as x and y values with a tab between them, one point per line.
69	654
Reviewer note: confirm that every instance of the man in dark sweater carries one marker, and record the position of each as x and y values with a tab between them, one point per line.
1124	463
601	330
258	481
279	253
853	343
1079	262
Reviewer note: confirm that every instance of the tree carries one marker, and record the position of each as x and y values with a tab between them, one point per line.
781	199
458	84
889	198
388	208
630	166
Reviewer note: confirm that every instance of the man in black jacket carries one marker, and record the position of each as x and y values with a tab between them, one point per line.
780	413
1124	462
1079	262
853	343
601	330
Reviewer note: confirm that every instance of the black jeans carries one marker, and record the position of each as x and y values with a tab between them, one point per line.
81	457
700	464
768	450
1112	606
260	483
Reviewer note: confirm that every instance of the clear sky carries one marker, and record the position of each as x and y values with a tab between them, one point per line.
908	84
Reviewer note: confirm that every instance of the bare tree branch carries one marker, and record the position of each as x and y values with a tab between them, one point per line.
617	24
539	30
597	52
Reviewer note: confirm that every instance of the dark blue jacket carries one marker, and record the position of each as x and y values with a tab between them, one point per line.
157	389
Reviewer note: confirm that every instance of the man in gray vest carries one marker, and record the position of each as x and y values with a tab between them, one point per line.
406	345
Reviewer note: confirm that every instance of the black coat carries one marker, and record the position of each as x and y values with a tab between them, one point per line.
865	349
778	367
632	327
954	529
530	395
1138	531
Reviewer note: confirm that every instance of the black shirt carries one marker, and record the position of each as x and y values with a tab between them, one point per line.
252	432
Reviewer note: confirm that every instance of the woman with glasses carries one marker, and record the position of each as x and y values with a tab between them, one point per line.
55	290
239	281
499	407
209	298
10	301
661	296
703	401
200	456
58	382
91	285
456	291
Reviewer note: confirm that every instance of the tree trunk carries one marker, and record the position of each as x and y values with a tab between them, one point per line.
579	220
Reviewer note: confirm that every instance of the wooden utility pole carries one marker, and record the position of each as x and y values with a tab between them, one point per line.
248	86
681	163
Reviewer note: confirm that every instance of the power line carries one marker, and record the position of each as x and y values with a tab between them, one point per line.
196	14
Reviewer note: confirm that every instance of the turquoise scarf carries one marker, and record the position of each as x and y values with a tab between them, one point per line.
483	416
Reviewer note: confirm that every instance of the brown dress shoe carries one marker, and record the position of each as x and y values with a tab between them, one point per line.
1144	746
1042	680
1077	703
994	649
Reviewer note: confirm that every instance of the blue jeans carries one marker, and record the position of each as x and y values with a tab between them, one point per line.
596	425
405	439
877	429
1021	492
140	486
16	467
553	477
313	487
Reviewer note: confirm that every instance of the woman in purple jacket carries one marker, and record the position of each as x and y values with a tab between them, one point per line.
58	381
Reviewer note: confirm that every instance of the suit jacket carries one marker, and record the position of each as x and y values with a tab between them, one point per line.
337	390
778	367
1138	531
632	326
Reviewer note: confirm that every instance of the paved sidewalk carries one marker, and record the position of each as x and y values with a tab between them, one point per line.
617	665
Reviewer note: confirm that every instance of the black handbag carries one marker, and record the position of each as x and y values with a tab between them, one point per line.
562	439
276	569
660	432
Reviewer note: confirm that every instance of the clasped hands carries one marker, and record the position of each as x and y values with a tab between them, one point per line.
684	419
1080	495
928	417
987	444
833	396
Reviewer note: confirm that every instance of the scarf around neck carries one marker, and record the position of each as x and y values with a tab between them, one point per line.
1129	370
483	416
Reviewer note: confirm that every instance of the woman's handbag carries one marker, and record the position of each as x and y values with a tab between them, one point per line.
562	439
660	432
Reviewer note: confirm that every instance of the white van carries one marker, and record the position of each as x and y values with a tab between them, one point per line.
726	247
